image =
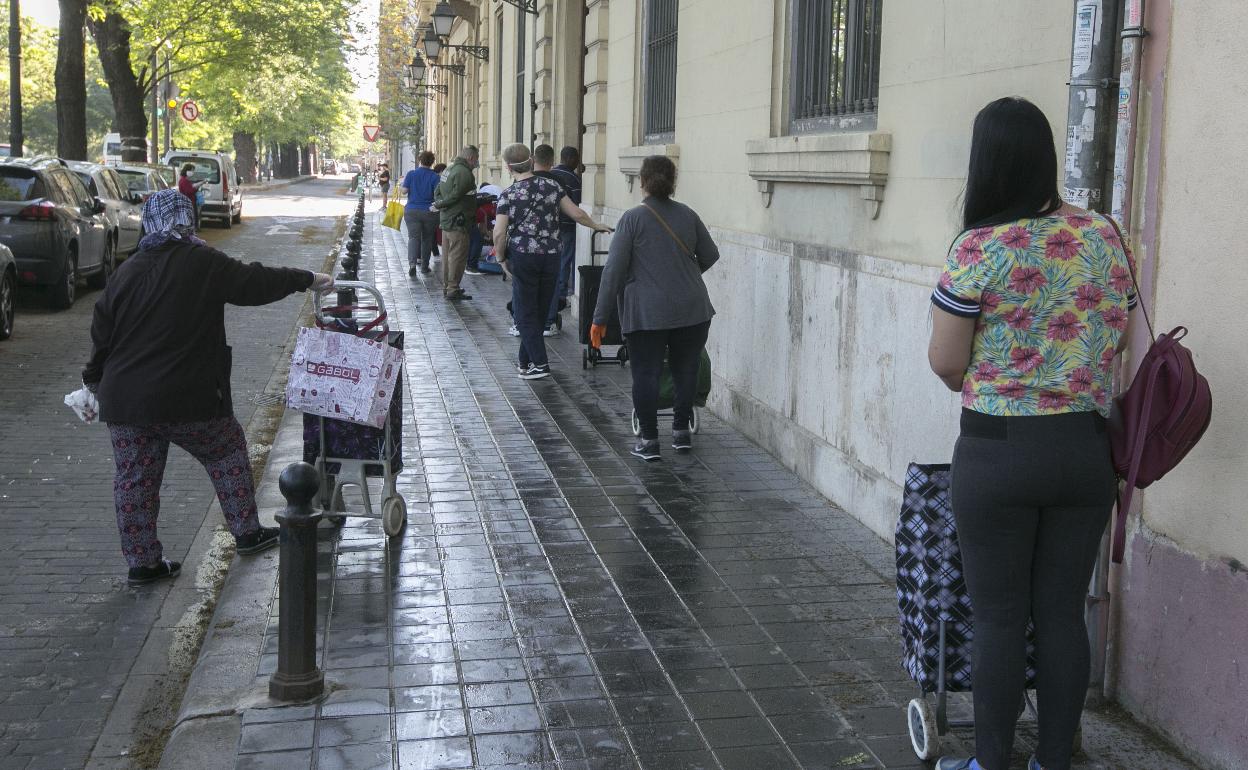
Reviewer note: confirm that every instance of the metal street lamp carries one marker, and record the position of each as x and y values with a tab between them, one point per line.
417	68
432	44
443	18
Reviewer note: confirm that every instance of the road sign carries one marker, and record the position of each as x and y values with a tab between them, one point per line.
372	132
190	111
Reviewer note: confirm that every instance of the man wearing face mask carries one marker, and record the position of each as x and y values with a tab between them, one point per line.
456	201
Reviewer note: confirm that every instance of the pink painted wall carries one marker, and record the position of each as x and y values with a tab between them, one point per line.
1183	650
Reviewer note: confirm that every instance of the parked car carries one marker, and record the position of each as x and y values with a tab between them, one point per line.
354	168
8	287
57	232
144	178
122	207
329	167
223	193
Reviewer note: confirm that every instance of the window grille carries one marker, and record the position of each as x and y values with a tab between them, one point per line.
521	102
836	61
660	63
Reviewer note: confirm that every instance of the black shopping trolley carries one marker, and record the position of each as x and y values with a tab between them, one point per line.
349	454
591	280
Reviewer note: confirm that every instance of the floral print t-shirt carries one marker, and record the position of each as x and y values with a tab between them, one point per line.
532	208
1051	295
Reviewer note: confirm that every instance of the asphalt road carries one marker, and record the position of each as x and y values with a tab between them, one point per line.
71	631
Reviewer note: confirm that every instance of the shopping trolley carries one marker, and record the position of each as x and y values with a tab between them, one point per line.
349	454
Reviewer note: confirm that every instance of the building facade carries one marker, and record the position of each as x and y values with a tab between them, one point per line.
824	142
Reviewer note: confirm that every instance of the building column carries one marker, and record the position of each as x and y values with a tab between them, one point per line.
594	151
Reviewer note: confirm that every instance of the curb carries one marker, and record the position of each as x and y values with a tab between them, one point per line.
263	186
223	682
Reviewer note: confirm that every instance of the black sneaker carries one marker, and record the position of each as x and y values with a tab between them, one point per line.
535	372
165	569
682	440
456	296
646	450
426	269
261	540
411	272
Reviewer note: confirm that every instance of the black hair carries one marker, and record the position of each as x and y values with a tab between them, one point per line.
439	168
544	155
1013	167
658	176
570	156
426	158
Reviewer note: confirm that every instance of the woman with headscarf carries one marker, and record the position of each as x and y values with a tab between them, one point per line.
160	367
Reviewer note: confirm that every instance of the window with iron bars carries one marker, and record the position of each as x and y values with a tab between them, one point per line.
660	63
836	64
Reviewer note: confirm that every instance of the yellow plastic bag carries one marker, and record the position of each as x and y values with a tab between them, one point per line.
394	215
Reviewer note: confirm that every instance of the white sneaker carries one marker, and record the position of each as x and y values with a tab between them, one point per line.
549	332
473	272
513	331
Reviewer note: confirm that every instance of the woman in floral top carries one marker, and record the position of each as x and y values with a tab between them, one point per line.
1030	313
526	243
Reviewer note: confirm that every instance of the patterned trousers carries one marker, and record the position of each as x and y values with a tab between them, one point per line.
140	452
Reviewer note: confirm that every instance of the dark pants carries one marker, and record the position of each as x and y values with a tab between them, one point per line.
1031	497
532	287
567	280
140	451
475	242
422	228
683	350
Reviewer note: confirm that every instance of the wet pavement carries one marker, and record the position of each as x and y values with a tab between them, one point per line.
555	603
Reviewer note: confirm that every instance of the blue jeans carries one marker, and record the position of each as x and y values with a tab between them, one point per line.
475	242
533	278
567	275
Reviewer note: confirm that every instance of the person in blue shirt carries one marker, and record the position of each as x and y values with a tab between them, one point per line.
421	220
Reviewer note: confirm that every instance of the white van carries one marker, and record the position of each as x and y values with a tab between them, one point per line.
112	149
223	193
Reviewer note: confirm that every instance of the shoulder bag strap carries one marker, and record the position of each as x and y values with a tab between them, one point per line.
670	232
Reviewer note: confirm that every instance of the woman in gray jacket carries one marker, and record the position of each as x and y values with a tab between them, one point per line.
654	276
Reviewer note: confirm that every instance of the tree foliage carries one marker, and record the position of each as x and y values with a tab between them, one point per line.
39	51
400	112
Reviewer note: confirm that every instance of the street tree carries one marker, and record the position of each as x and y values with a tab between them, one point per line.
71	84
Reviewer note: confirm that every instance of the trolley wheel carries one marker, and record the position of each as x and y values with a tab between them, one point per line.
636	424
695	422
594	355
622	356
924	737
393	515
585	358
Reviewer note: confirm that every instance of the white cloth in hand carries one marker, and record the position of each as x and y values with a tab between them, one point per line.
322	282
84	404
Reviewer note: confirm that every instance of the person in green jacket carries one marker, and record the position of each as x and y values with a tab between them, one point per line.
456	201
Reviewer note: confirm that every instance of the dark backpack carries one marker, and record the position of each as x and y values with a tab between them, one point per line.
1159	418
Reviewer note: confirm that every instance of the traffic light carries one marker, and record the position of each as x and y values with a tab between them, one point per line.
173	104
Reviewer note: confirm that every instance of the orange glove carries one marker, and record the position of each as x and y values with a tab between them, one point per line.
596	333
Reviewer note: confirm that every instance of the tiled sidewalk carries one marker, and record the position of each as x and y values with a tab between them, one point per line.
554	603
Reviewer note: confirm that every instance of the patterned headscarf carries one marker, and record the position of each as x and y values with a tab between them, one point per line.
168	215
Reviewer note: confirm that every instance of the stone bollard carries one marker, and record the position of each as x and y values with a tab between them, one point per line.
297	677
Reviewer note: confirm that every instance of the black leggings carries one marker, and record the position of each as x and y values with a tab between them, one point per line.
683	350
1031	498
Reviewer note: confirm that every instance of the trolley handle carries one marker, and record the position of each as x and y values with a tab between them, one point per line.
379	305
594	251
